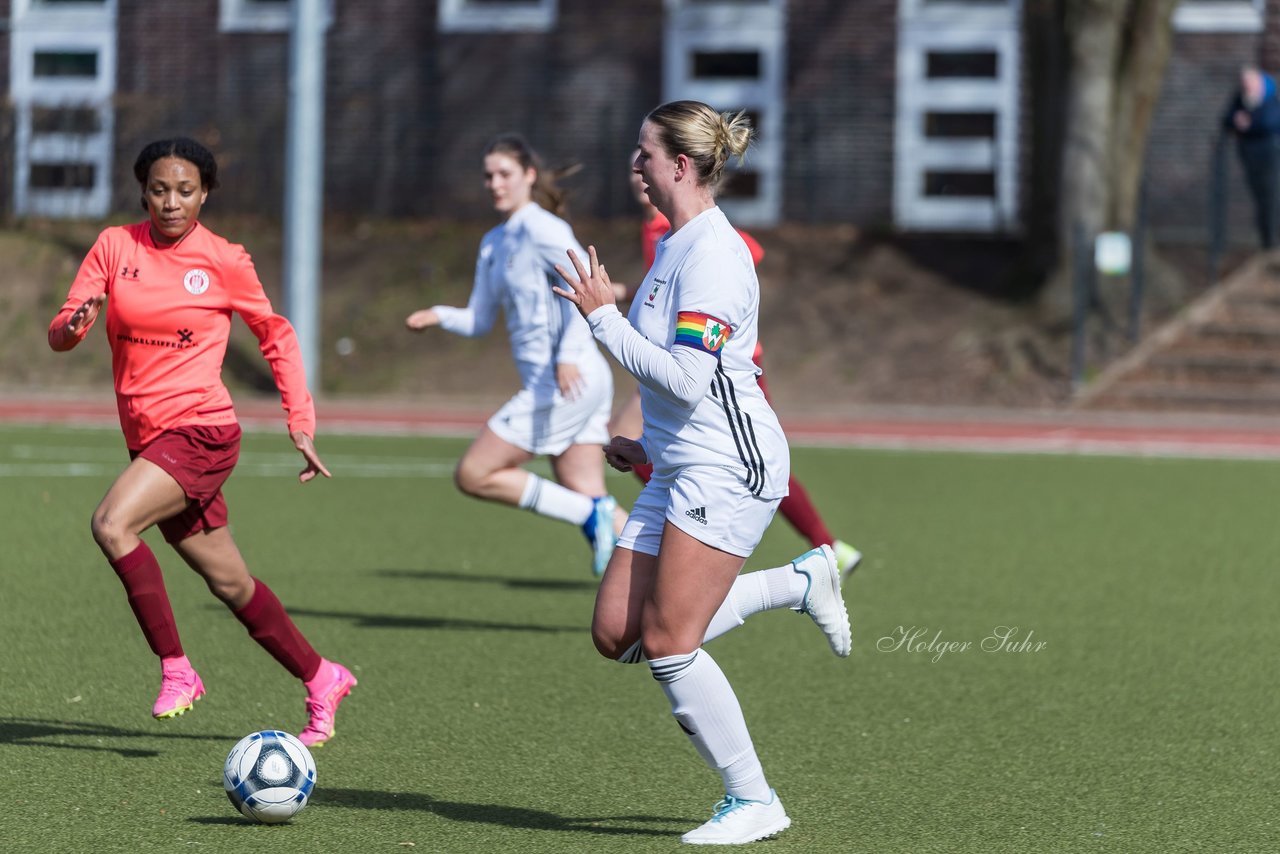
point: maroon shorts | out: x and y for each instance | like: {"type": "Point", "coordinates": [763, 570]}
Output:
{"type": "Point", "coordinates": [200, 458]}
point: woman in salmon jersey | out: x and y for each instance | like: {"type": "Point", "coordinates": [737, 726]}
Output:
{"type": "Point", "coordinates": [720, 459]}
{"type": "Point", "coordinates": [169, 286]}
{"type": "Point", "coordinates": [562, 408]}
{"type": "Point", "coordinates": [797, 508]}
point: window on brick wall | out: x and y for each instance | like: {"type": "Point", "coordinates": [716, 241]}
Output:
{"type": "Point", "coordinates": [259, 16]}
{"type": "Point", "coordinates": [496, 16]}
{"type": "Point", "coordinates": [958, 64]}
{"type": "Point", "coordinates": [59, 119]}
{"type": "Point", "coordinates": [65, 63]}
{"type": "Point", "coordinates": [732, 55]}
{"type": "Point", "coordinates": [62, 80]}
{"type": "Point", "coordinates": [940, 124]}
{"type": "Point", "coordinates": [726, 64]}
{"type": "Point", "coordinates": [955, 139]}
{"type": "Point", "coordinates": [62, 176]}
{"type": "Point", "coordinates": [1219, 16]}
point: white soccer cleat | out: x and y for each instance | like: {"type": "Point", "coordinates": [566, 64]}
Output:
{"type": "Point", "coordinates": [822, 600]}
{"type": "Point", "coordinates": [847, 557]}
{"type": "Point", "coordinates": [736, 821]}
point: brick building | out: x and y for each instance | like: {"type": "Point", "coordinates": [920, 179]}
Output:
{"type": "Point", "coordinates": [909, 114]}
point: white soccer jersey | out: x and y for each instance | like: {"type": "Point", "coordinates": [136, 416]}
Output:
{"type": "Point", "coordinates": [698, 311]}
{"type": "Point", "coordinates": [515, 270]}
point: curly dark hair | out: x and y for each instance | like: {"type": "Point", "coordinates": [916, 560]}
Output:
{"type": "Point", "coordinates": [181, 147]}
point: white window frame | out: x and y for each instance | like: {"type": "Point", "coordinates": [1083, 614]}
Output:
{"type": "Point", "coordinates": [759, 27]}
{"type": "Point", "coordinates": [71, 13]}
{"type": "Point", "coordinates": [82, 27]}
{"type": "Point", "coordinates": [247, 16]}
{"type": "Point", "coordinates": [530, 16]}
{"type": "Point", "coordinates": [1243, 16]}
{"type": "Point", "coordinates": [915, 154]}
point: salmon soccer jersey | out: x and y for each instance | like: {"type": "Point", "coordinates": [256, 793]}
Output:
{"type": "Point", "coordinates": [168, 316]}
{"type": "Point", "coordinates": [701, 296]}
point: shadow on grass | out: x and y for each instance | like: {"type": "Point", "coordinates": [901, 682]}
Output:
{"type": "Point", "coordinates": [391, 621]}
{"type": "Point", "coordinates": [31, 732]}
{"type": "Point", "coordinates": [501, 580]}
{"type": "Point", "coordinates": [507, 816]}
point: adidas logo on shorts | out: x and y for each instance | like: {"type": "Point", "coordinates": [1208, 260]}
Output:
{"type": "Point", "coordinates": [697, 514]}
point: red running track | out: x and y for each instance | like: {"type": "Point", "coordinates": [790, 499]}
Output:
{"type": "Point", "coordinates": [1002, 431]}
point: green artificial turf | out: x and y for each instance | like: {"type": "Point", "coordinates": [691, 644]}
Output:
{"type": "Point", "coordinates": [1136, 717]}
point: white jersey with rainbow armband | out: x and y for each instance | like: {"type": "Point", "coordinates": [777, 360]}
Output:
{"type": "Point", "coordinates": [698, 311]}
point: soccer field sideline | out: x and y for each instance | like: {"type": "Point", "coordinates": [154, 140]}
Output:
{"type": "Point", "coordinates": [881, 428]}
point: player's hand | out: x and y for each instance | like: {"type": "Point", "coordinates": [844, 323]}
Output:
{"type": "Point", "coordinates": [85, 315]}
{"type": "Point", "coordinates": [1242, 120]}
{"type": "Point", "coordinates": [304, 443]}
{"type": "Point", "coordinates": [569, 379]}
{"type": "Point", "coordinates": [421, 319]}
{"type": "Point", "coordinates": [589, 288]}
{"type": "Point", "coordinates": [623, 453]}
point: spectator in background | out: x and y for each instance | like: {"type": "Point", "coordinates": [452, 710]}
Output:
{"type": "Point", "coordinates": [1254, 118]}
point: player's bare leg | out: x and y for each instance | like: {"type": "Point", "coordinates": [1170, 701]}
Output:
{"type": "Point", "coordinates": [490, 469]}
{"type": "Point", "coordinates": [141, 496]}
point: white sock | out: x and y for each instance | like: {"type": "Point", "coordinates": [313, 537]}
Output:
{"type": "Point", "coordinates": [706, 708]}
{"type": "Point", "coordinates": [763, 590]}
{"type": "Point", "coordinates": [550, 499]}
{"type": "Point", "coordinates": [727, 616]}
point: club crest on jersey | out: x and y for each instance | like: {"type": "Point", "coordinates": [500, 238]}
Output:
{"type": "Point", "coordinates": [196, 281]}
{"type": "Point", "coordinates": [702, 332]}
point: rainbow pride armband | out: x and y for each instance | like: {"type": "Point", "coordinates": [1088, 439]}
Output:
{"type": "Point", "coordinates": [702, 332]}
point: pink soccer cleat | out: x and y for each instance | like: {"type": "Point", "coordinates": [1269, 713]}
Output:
{"type": "Point", "coordinates": [180, 687]}
{"type": "Point", "coordinates": [325, 691]}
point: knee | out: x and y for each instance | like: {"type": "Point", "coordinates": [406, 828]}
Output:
{"type": "Point", "coordinates": [234, 592]}
{"type": "Point", "coordinates": [108, 533]}
{"type": "Point", "coordinates": [661, 639]}
{"type": "Point", "coordinates": [612, 639]}
{"type": "Point", "coordinates": [610, 645]}
{"type": "Point", "coordinates": [468, 478]}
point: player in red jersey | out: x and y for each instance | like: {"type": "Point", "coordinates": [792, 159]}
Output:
{"type": "Point", "coordinates": [797, 507]}
{"type": "Point", "coordinates": [169, 286]}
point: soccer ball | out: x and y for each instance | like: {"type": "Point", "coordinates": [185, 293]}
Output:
{"type": "Point", "coordinates": [269, 776]}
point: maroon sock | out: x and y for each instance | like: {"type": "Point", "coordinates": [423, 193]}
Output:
{"type": "Point", "coordinates": [644, 471]}
{"type": "Point", "coordinates": [139, 571]}
{"type": "Point", "coordinates": [803, 516]}
{"type": "Point", "coordinates": [270, 626]}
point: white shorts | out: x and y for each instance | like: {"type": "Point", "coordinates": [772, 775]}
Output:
{"type": "Point", "coordinates": [709, 503]}
{"type": "Point", "coordinates": [542, 421]}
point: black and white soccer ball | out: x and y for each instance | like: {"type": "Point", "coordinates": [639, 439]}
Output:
{"type": "Point", "coordinates": [269, 776]}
